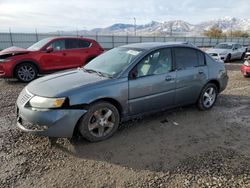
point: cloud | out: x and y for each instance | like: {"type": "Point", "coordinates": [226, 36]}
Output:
{"type": "Point", "coordinates": [47, 15]}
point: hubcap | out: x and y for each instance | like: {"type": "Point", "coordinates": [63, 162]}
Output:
{"type": "Point", "coordinates": [101, 122]}
{"type": "Point", "coordinates": [26, 73]}
{"type": "Point", "coordinates": [209, 97]}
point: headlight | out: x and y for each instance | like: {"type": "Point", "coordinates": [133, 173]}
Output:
{"type": "Point", "coordinates": [43, 102]}
{"type": "Point", "coordinates": [4, 60]}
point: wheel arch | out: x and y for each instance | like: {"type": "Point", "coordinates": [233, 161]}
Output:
{"type": "Point", "coordinates": [215, 82]}
{"type": "Point", "coordinates": [112, 101]}
{"type": "Point", "coordinates": [104, 99]}
{"type": "Point", "coordinates": [25, 61]}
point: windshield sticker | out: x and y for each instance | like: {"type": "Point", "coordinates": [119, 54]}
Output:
{"type": "Point", "coordinates": [132, 52]}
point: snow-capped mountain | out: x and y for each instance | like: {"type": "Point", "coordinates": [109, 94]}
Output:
{"type": "Point", "coordinates": [174, 27]}
{"type": "Point", "coordinates": [226, 24]}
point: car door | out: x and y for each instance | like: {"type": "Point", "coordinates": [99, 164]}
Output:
{"type": "Point", "coordinates": [235, 51]}
{"type": "Point", "coordinates": [52, 60]}
{"type": "Point", "coordinates": [191, 74]}
{"type": "Point", "coordinates": [153, 85]}
{"type": "Point", "coordinates": [77, 52]}
{"type": "Point", "coordinates": [240, 51]}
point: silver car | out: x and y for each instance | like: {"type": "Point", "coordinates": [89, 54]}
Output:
{"type": "Point", "coordinates": [227, 51]}
{"type": "Point", "coordinates": [121, 84]}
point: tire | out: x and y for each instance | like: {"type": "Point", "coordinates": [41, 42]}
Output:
{"type": "Point", "coordinates": [243, 56]}
{"type": "Point", "coordinates": [207, 97]}
{"type": "Point", "coordinates": [94, 126]}
{"type": "Point", "coordinates": [26, 72]}
{"type": "Point", "coordinates": [246, 76]}
{"type": "Point", "coordinates": [228, 58]}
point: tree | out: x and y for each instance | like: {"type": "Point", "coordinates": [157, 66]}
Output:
{"type": "Point", "coordinates": [238, 33]}
{"type": "Point", "coordinates": [214, 32]}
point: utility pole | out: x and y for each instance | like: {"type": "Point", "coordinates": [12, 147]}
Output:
{"type": "Point", "coordinates": [171, 29]}
{"type": "Point", "coordinates": [135, 25]}
{"type": "Point", "coordinates": [231, 30]}
{"type": "Point", "coordinates": [11, 39]}
{"type": "Point", "coordinates": [36, 35]}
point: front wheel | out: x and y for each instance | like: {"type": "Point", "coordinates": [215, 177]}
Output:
{"type": "Point", "coordinates": [26, 72]}
{"type": "Point", "coordinates": [207, 97]}
{"type": "Point", "coordinates": [100, 122]}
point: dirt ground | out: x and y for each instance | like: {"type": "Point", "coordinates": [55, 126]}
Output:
{"type": "Point", "coordinates": [183, 147]}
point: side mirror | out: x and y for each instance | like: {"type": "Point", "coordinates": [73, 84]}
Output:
{"type": "Point", "coordinates": [49, 49]}
{"type": "Point", "coordinates": [133, 74]}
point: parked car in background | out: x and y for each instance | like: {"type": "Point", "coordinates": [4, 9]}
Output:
{"type": "Point", "coordinates": [46, 56]}
{"type": "Point", "coordinates": [227, 51]}
{"type": "Point", "coordinates": [245, 68]}
{"type": "Point", "coordinates": [247, 55]}
{"type": "Point", "coordinates": [121, 84]}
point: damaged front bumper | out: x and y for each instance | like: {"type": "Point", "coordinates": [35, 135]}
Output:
{"type": "Point", "coordinates": [51, 123]}
{"type": "Point", "coordinates": [46, 122]}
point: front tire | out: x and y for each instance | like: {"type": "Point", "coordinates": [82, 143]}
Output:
{"type": "Point", "coordinates": [100, 122]}
{"type": "Point", "coordinates": [26, 72]}
{"type": "Point", "coordinates": [207, 97]}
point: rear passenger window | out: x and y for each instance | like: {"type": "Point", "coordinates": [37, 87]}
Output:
{"type": "Point", "coordinates": [71, 43]}
{"type": "Point", "coordinates": [84, 44]}
{"type": "Point", "coordinates": [186, 58]}
{"type": "Point", "coordinates": [76, 43]}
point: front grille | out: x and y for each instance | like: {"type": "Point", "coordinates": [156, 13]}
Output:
{"type": "Point", "coordinates": [24, 97]}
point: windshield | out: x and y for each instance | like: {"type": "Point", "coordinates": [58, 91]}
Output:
{"type": "Point", "coordinates": [113, 61]}
{"type": "Point", "coordinates": [39, 44]}
{"type": "Point", "coordinates": [224, 46]}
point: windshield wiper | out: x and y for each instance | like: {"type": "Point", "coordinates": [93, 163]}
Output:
{"type": "Point", "coordinates": [97, 72]}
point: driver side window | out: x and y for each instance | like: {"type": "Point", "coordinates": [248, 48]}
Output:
{"type": "Point", "coordinates": [58, 45]}
{"type": "Point", "coordinates": [157, 62]}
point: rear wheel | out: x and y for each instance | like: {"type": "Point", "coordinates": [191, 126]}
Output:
{"type": "Point", "coordinates": [243, 56]}
{"type": "Point", "coordinates": [207, 97]}
{"type": "Point", "coordinates": [100, 122]}
{"type": "Point", "coordinates": [26, 72]}
{"type": "Point", "coordinates": [228, 58]}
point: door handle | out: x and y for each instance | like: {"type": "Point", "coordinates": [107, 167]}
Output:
{"type": "Point", "coordinates": [168, 78]}
{"type": "Point", "coordinates": [64, 54]}
{"type": "Point", "coordinates": [201, 72]}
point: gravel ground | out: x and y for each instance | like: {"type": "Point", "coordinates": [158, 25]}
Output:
{"type": "Point", "coordinates": [183, 147]}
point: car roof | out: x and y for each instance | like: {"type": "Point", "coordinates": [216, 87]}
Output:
{"type": "Point", "coordinates": [152, 45]}
{"type": "Point", "coordinates": [69, 37]}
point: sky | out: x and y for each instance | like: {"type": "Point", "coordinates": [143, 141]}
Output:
{"type": "Point", "coordinates": [54, 15]}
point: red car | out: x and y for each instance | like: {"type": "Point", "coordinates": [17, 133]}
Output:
{"type": "Point", "coordinates": [245, 68]}
{"type": "Point", "coordinates": [47, 55]}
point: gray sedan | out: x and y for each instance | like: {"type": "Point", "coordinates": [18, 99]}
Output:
{"type": "Point", "coordinates": [121, 84]}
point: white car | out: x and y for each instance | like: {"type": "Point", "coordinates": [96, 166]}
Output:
{"type": "Point", "coordinates": [227, 51]}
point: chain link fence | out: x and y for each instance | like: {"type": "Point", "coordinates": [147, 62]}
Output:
{"type": "Point", "coordinates": [25, 40]}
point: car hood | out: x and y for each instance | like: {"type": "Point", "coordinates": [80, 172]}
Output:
{"type": "Point", "coordinates": [216, 50]}
{"type": "Point", "coordinates": [12, 51]}
{"type": "Point", "coordinates": [56, 85]}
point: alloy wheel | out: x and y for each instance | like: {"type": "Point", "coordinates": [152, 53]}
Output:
{"type": "Point", "coordinates": [26, 73]}
{"type": "Point", "coordinates": [101, 122]}
{"type": "Point", "coordinates": [209, 97]}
